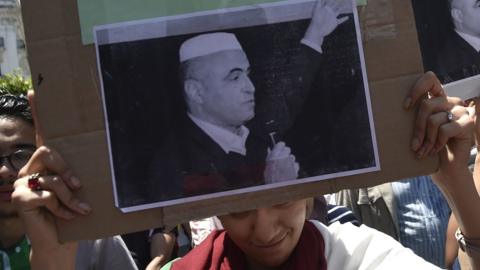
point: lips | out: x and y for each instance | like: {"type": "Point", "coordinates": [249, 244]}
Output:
{"type": "Point", "coordinates": [275, 242]}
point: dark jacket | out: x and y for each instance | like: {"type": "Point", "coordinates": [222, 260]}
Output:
{"type": "Point", "coordinates": [457, 60]}
{"type": "Point", "coordinates": [190, 163]}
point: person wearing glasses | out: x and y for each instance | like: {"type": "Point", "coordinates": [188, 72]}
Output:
{"type": "Point", "coordinates": [17, 145]}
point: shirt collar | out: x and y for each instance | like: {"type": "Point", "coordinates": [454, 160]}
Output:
{"type": "Point", "coordinates": [472, 40]}
{"type": "Point", "coordinates": [227, 140]}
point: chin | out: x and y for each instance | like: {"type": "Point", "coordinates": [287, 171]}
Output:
{"type": "Point", "coordinates": [273, 262]}
{"type": "Point", "coordinates": [249, 117]}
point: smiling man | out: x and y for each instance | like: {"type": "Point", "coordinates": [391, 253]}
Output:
{"type": "Point", "coordinates": [460, 55]}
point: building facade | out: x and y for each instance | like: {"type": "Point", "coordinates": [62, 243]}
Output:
{"type": "Point", "coordinates": [13, 53]}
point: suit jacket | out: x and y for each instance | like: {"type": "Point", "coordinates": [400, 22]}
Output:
{"type": "Point", "coordinates": [190, 163]}
{"type": "Point", "coordinates": [457, 60]}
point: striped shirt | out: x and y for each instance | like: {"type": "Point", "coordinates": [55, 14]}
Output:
{"type": "Point", "coordinates": [340, 213]}
{"type": "Point", "coordinates": [422, 214]}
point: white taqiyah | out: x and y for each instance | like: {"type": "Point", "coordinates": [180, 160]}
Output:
{"type": "Point", "coordinates": [206, 44]}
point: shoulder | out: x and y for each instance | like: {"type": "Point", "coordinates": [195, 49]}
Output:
{"type": "Point", "coordinates": [351, 247]}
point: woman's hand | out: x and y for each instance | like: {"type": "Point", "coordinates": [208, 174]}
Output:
{"type": "Point", "coordinates": [443, 126]}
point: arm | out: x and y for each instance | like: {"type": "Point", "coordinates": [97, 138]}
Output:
{"type": "Point", "coordinates": [304, 66]}
{"type": "Point", "coordinates": [161, 249]}
{"type": "Point", "coordinates": [451, 140]}
{"type": "Point", "coordinates": [452, 248]}
{"type": "Point", "coordinates": [38, 209]}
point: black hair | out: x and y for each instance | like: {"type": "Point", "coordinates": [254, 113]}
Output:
{"type": "Point", "coordinates": [15, 106]}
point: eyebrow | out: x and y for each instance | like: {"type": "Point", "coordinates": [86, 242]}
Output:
{"type": "Point", "coordinates": [240, 70]}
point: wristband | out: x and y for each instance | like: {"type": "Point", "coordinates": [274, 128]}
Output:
{"type": "Point", "coordinates": [467, 245]}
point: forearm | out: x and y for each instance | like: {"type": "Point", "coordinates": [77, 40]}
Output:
{"type": "Point", "coordinates": [157, 263]}
{"type": "Point", "coordinates": [464, 201]}
{"type": "Point", "coordinates": [62, 258]}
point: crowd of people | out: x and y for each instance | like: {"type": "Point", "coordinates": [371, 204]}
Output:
{"type": "Point", "coordinates": [262, 238]}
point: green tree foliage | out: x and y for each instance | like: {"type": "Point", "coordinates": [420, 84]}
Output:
{"type": "Point", "coordinates": [15, 83]}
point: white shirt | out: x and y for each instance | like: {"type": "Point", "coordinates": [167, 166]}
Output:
{"type": "Point", "coordinates": [472, 40]}
{"type": "Point", "coordinates": [227, 140]}
{"type": "Point", "coordinates": [348, 247]}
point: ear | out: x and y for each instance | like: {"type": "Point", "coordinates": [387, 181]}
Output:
{"type": "Point", "coordinates": [457, 16]}
{"type": "Point", "coordinates": [193, 91]}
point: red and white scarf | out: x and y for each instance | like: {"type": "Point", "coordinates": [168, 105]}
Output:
{"type": "Point", "coordinates": [218, 252]}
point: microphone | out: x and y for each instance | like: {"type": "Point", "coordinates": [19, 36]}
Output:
{"type": "Point", "coordinates": [272, 127]}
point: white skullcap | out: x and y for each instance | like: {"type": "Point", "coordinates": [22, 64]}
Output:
{"type": "Point", "coordinates": [207, 44]}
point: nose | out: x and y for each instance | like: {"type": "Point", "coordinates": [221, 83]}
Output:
{"type": "Point", "coordinates": [265, 227]}
{"type": "Point", "coordinates": [7, 173]}
{"type": "Point", "coordinates": [249, 87]}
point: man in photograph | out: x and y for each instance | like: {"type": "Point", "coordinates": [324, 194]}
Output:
{"type": "Point", "coordinates": [212, 150]}
{"type": "Point", "coordinates": [460, 56]}
{"type": "Point", "coordinates": [220, 100]}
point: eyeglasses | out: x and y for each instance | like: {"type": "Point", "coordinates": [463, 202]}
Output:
{"type": "Point", "coordinates": [17, 159]}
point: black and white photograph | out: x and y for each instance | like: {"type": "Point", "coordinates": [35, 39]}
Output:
{"type": "Point", "coordinates": [234, 100]}
{"type": "Point", "coordinates": [449, 37]}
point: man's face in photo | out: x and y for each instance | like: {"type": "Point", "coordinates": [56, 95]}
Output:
{"type": "Point", "coordinates": [17, 136]}
{"type": "Point", "coordinates": [227, 93]}
{"type": "Point", "coordinates": [468, 15]}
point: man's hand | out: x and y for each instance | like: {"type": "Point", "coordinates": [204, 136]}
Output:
{"type": "Point", "coordinates": [281, 165]}
{"type": "Point", "coordinates": [38, 208]}
{"type": "Point", "coordinates": [325, 20]}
